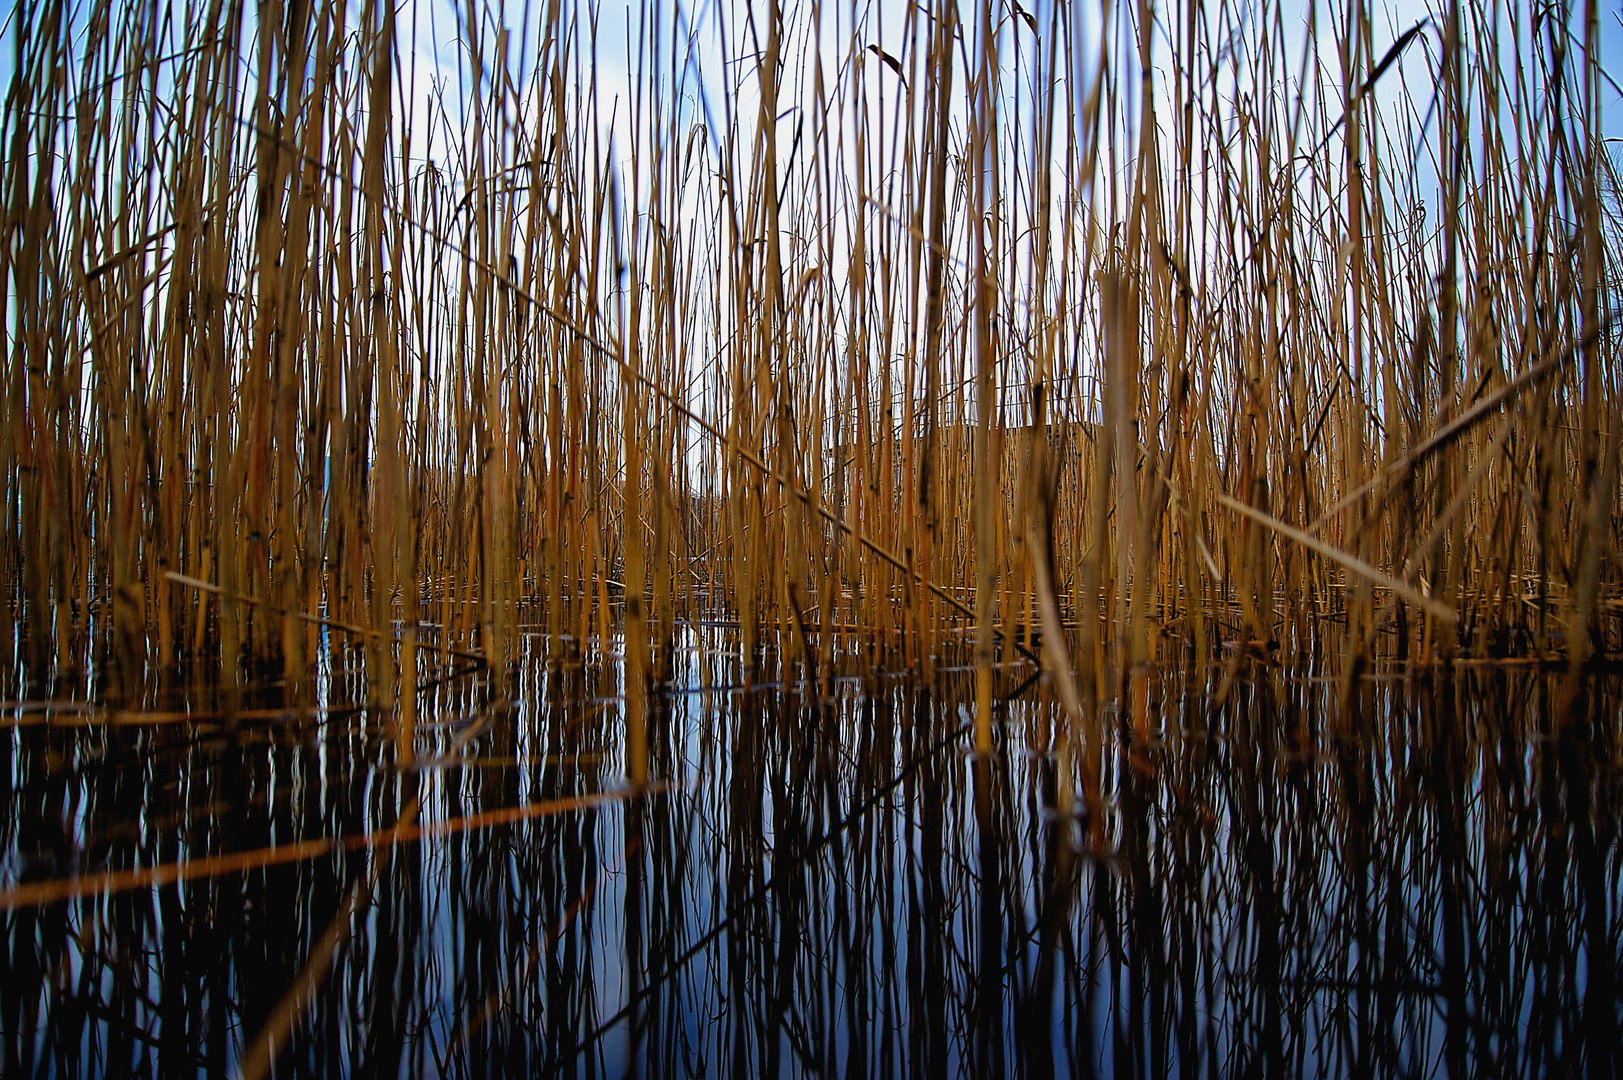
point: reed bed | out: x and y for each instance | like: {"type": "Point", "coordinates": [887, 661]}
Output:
{"type": "Point", "coordinates": [507, 540]}
{"type": "Point", "coordinates": [1128, 337]}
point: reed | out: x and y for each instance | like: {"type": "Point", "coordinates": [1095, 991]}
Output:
{"type": "Point", "coordinates": [860, 331]}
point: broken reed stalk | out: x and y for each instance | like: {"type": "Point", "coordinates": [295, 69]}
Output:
{"type": "Point", "coordinates": [288, 322]}
{"type": "Point", "coordinates": [408, 830]}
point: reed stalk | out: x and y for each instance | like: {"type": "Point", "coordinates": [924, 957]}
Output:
{"type": "Point", "coordinates": [824, 323]}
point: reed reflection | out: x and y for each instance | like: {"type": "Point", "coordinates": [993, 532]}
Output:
{"type": "Point", "coordinates": [1419, 876]}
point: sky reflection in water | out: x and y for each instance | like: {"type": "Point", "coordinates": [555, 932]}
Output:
{"type": "Point", "coordinates": [1426, 885]}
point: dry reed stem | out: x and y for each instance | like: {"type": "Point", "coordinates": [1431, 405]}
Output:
{"type": "Point", "coordinates": [41, 893]}
{"type": "Point", "coordinates": [770, 358]}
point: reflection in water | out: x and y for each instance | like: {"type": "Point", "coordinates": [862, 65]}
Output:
{"type": "Point", "coordinates": [1425, 883]}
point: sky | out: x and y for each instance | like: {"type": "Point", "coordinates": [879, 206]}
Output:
{"type": "Point", "coordinates": [434, 36]}
{"type": "Point", "coordinates": [436, 44]}
{"type": "Point", "coordinates": [710, 68]}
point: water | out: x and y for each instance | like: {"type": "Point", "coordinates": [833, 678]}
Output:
{"type": "Point", "coordinates": [1425, 883]}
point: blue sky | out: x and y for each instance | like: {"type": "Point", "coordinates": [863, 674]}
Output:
{"type": "Point", "coordinates": [433, 42]}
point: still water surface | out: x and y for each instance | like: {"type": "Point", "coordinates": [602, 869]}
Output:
{"type": "Point", "coordinates": [1425, 883]}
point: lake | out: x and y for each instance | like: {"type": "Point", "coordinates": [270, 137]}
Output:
{"type": "Point", "coordinates": [1422, 880]}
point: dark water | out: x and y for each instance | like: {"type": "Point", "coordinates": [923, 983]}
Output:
{"type": "Point", "coordinates": [1424, 884]}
